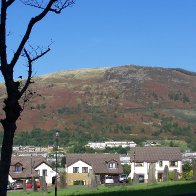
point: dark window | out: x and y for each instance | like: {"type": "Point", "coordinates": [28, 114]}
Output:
{"type": "Point", "coordinates": [18, 168]}
{"type": "Point", "coordinates": [38, 171]}
{"type": "Point", "coordinates": [173, 163]}
{"type": "Point", "coordinates": [75, 169]}
{"type": "Point", "coordinates": [139, 164]}
{"type": "Point", "coordinates": [84, 169]}
{"type": "Point", "coordinates": [112, 165]}
{"type": "Point", "coordinates": [160, 163]}
{"type": "Point", "coordinates": [44, 172]}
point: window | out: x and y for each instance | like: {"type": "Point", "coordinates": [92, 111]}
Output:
{"type": "Point", "coordinates": [75, 169]}
{"type": "Point", "coordinates": [173, 163]}
{"type": "Point", "coordinates": [139, 164]}
{"type": "Point", "coordinates": [44, 172]}
{"type": "Point", "coordinates": [112, 165]}
{"type": "Point", "coordinates": [84, 169]}
{"type": "Point", "coordinates": [18, 168]}
{"type": "Point", "coordinates": [160, 163]}
{"type": "Point", "coordinates": [38, 171]}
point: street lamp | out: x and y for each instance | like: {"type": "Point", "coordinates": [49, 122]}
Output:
{"type": "Point", "coordinates": [57, 136]}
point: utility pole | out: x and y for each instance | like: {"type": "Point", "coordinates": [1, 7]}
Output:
{"type": "Point", "coordinates": [57, 136]}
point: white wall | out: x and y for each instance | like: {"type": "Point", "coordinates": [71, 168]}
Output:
{"type": "Point", "coordinates": [139, 170]}
{"type": "Point", "coordinates": [145, 168]}
{"type": "Point", "coordinates": [10, 179]}
{"type": "Point", "coordinates": [50, 172]}
{"type": "Point", "coordinates": [79, 164]}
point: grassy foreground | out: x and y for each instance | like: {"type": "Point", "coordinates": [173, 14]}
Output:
{"type": "Point", "coordinates": [158, 189]}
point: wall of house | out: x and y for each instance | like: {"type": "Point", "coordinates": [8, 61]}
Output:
{"type": "Point", "coordinates": [10, 179]}
{"type": "Point", "coordinates": [171, 168]}
{"type": "Point", "coordinates": [79, 164]}
{"type": "Point", "coordinates": [80, 176]}
{"type": "Point", "coordinates": [71, 177]}
{"type": "Point", "coordinates": [144, 168]}
{"type": "Point", "coordinates": [50, 172]}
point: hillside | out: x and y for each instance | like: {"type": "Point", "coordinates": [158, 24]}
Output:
{"type": "Point", "coordinates": [127, 102]}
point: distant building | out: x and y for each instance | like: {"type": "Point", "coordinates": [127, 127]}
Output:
{"type": "Point", "coordinates": [111, 144]}
{"type": "Point", "coordinates": [96, 145]}
{"type": "Point", "coordinates": [30, 150]}
{"type": "Point", "coordinates": [125, 159]}
{"type": "Point", "coordinates": [188, 156]}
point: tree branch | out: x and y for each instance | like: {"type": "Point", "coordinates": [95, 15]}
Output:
{"type": "Point", "coordinates": [9, 2]}
{"type": "Point", "coordinates": [30, 62]}
{"type": "Point", "coordinates": [28, 81]}
{"type": "Point", "coordinates": [3, 54]}
{"type": "Point", "coordinates": [57, 7]}
{"type": "Point", "coordinates": [40, 55]}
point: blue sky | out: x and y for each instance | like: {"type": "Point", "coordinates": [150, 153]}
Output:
{"type": "Point", "coordinates": [106, 33]}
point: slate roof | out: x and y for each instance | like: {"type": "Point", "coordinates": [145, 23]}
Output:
{"type": "Point", "coordinates": [154, 154]}
{"type": "Point", "coordinates": [99, 162]}
{"type": "Point", "coordinates": [28, 166]}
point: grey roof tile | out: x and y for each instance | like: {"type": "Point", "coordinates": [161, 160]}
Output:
{"type": "Point", "coordinates": [153, 154]}
{"type": "Point", "coordinates": [99, 162]}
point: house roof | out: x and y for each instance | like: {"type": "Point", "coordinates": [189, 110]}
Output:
{"type": "Point", "coordinates": [28, 163]}
{"type": "Point", "coordinates": [99, 162]}
{"type": "Point", "coordinates": [153, 154]}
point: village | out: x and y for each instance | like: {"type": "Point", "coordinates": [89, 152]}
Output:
{"type": "Point", "coordinates": [39, 167]}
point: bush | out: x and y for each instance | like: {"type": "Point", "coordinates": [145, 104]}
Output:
{"type": "Point", "coordinates": [187, 175]}
{"type": "Point", "coordinates": [78, 182]}
{"type": "Point", "coordinates": [171, 175]}
{"type": "Point", "coordinates": [126, 169]}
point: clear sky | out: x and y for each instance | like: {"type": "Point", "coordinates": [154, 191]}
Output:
{"type": "Point", "coordinates": [106, 33]}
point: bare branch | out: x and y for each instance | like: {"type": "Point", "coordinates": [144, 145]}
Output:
{"type": "Point", "coordinates": [28, 81]}
{"type": "Point", "coordinates": [9, 2]}
{"type": "Point", "coordinates": [30, 62]}
{"type": "Point", "coordinates": [57, 7]}
{"type": "Point", "coordinates": [40, 55]}
{"type": "Point", "coordinates": [3, 54]}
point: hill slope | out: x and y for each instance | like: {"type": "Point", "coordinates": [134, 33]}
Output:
{"type": "Point", "coordinates": [127, 102]}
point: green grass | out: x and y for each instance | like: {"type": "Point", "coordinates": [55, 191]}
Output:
{"type": "Point", "coordinates": [158, 189]}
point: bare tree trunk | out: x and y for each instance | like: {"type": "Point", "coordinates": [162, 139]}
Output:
{"type": "Point", "coordinates": [15, 91]}
{"type": "Point", "coordinates": [12, 110]}
{"type": "Point", "coordinates": [6, 153]}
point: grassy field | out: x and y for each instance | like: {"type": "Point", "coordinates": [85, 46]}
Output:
{"type": "Point", "coordinates": [158, 189]}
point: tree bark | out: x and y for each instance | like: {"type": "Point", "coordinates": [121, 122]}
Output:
{"type": "Point", "coordinates": [12, 110]}
{"type": "Point", "coordinates": [6, 153]}
{"type": "Point", "coordinates": [15, 92]}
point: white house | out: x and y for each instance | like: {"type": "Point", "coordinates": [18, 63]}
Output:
{"type": "Point", "coordinates": [96, 145]}
{"type": "Point", "coordinates": [44, 169]}
{"type": "Point", "coordinates": [122, 144]}
{"type": "Point", "coordinates": [142, 157]}
{"type": "Point", "coordinates": [111, 144]}
{"type": "Point", "coordinates": [125, 159]}
{"type": "Point", "coordinates": [26, 167]}
{"type": "Point", "coordinates": [79, 167]}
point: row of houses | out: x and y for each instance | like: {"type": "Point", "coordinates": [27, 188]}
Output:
{"type": "Point", "coordinates": [81, 167]}
{"type": "Point", "coordinates": [111, 144]}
